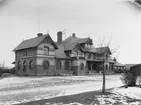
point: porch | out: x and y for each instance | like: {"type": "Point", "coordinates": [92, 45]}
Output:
{"type": "Point", "coordinates": [94, 67]}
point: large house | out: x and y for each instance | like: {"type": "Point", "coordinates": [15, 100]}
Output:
{"type": "Point", "coordinates": [76, 56]}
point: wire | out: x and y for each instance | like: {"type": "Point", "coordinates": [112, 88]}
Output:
{"type": "Point", "coordinates": [38, 16]}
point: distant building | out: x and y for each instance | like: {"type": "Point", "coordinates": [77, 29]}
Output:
{"type": "Point", "coordinates": [118, 67]}
{"type": "Point", "coordinates": [76, 56]}
{"type": "Point", "coordinates": [136, 69]}
{"type": "Point", "coordinates": [128, 66]}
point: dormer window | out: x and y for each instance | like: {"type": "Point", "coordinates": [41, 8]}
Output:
{"type": "Point", "coordinates": [89, 46]}
{"type": "Point", "coordinates": [86, 45]}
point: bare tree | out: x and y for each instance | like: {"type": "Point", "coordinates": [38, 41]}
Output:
{"type": "Point", "coordinates": [106, 55]}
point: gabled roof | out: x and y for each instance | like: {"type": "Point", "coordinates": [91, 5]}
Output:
{"type": "Point", "coordinates": [103, 50]}
{"type": "Point", "coordinates": [71, 42]}
{"type": "Point", "coordinates": [110, 60]}
{"type": "Point", "coordinates": [59, 53]}
{"type": "Point", "coordinates": [33, 42]}
{"type": "Point", "coordinates": [67, 45]}
{"type": "Point", "coordinates": [76, 39]}
{"type": "Point", "coordinates": [135, 65]}
{"type": "Point", "coordinates": [118, 64]}
{"type": "Point", "coordinates": [91, 50]}
{"type": "Point", "coordinates": [128, 66]}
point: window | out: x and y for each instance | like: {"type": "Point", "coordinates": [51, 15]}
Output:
{"type": "Point", "coordinates": [66, 65]}
{"type": "Point", "coordinates": [94, 56]}
{"type": "Point", "coordinates": [46, 50]}
{"type": "Point", "coordinates": [24, 66]}
{"type": "Point", "coordinates": [89, 56]}
{"type": "Point", "coordinates": [58, 64]}
{"type": "Point", "coordinates": [19, 65]}
{"type": "Point", "coordinates": [24, 53]}
{"type": "Point", "coordinates": [106, 67]}
{"type": "Point", "coordinates": [82, 66]}
{"type": "Point", "coordinates": [31, 65]}
{"type": "Point", "coordinates": [46, 65]}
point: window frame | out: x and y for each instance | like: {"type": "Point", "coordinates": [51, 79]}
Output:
{"type": "Point", "coordinates": [67, 65]}
{"type": "Point", "coordinates": [46, 49]}
{"type": "Point", "coordinates": [24, 53]}
{"type": "Point", "coordinates": [31, 64]}
{"type": "Point", "coordinates": [82, 66]}
{"type": "Point", "coordinates": [24, 65]}
{"type": "Point", "coordinates": [46, 67]}
{"type": "Point", "coordinates": [58, 64]}
{"type": "Point", "coordinates": [19, 65]}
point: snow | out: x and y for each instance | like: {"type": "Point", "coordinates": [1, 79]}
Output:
{"type": "Point", "coordinates": [75, 103]}
{"type": "Point", "coordinates": [131, 92]}
{"type": "Point", "coordinates": [124, 96]}
{"type": "Point", "coordinates": [18, 90]}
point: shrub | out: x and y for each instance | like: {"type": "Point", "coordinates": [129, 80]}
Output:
{"type": "Point", "coordinates": [129, 79]}
{"type": "Point", "coordinates": [6, 75]}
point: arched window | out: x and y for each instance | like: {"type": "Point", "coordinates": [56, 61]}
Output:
{"type": "Point", "coordinates": [106, 67]}
{"type": "Point", "coordinates": [58, 64]}
{"type": "Point", "coordinates": [31, 65]}
{"type": "Point", "coordinates": [67, 65]}
{"type": "Point", "coordinates": [82, 66]}
{"type": "Point", "coordinates": [46, 50]}
{"type": "Point", "coordinates": [24, 66]}
{"type": "Point", "coordinates": [19, 65]}
{"type": "Point", "coordinates": [46, 65]}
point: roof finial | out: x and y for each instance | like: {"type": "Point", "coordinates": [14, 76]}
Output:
{"type": "Point", "coordinates": [48, 32]}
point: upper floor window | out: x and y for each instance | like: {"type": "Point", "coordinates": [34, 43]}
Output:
{"type": "Point", "coordinates": [94, 56]}
{"type": "Point", "coordinates": [46, 50]}
{"type": "Point", "coordinates": [86, 45]}
{"type": "Point", "coordinates": [31, 65]}
{"type": "Point", "coordinates": [89, 56]}
{"type": "Point", "coordinates": [25, 53]}
{"type": "Point", "coordinates": [89, 46]}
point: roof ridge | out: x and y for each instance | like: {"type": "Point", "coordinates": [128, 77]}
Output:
{"type": "Point", "coordinates": [66, 39]}
{"type": "Point", "coordinates": [36, 37]}
{"type": "Point", "coordinates": [32, 42]}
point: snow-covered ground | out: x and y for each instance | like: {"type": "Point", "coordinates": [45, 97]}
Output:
{"type": "Point", "coordinates": [24, 89]}
{"type": "Point", "coordinates": [121, 96]}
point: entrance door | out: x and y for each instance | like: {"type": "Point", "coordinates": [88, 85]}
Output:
{"type": "Point", "coordinates": [58, 65]}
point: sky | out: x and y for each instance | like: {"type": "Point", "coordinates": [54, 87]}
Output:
{"type": "Point", "coordinates": [97, 19]}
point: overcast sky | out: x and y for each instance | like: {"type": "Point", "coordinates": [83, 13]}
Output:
{"type": "Point", "coordinates": [87, 18]}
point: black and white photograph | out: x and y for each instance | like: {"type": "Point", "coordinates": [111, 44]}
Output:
{"type": "Point", "coordinates": [70, 52]}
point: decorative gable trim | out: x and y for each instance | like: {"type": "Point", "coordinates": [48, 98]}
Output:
{"type": "Point", "coordinates": [48, 39]}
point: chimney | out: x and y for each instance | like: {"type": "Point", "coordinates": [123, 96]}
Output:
{"type": "Point", "coordinates": [73, 34]}
{"type": "Point", "coordinates": [39, 34]}
{"type": "Point", "coordinates": [59, 37]}
{"type": "Point", "coordinates": [114, 60]}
